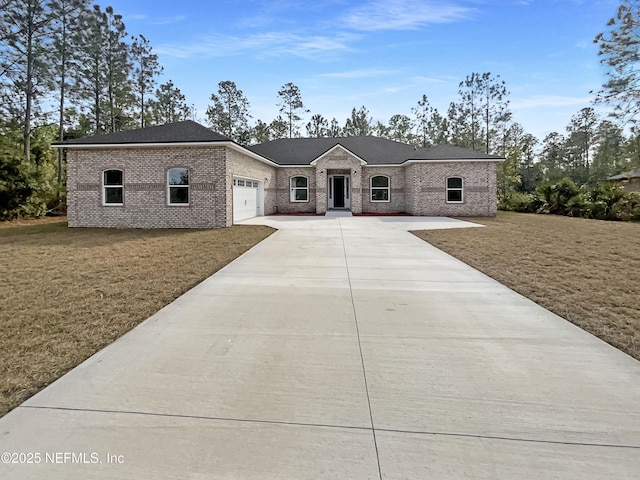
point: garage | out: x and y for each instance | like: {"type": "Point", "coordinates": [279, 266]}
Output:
{"type": "Point", "coordinates": [246, 198]}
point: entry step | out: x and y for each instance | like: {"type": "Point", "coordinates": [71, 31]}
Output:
{"type": "Point", "coordinates": [338, 213]}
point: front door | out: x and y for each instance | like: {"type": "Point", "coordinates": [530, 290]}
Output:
{"type": "Point", "coordinates": [339, 192]}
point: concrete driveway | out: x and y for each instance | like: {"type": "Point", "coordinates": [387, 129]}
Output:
{"type": "Point", "coordinates": [340, 348]}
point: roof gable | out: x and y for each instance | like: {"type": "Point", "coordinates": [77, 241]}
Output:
{"type": "Point", "coordinates": [338, 147]}
{"type": "Point", "coordinates": [179, 132]}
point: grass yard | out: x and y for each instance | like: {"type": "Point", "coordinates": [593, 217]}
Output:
{"type": "Point", "coordinates": [67, 293]}
{"type": "Point", "coordinates": [587, 271]}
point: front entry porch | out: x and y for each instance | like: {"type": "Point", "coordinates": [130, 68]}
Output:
{"type": "Point", "coordinates": [339, 192]}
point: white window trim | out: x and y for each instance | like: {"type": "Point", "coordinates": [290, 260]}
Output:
{"type": "Point", "coordinates": [387, 188]}
{"type": "Point", "coordinates": [188, 187]}
{"type": "Point", "coordinates": [104, 187]}
{"type": "Point", "coordinates": [461, 189]}
{"type": "Point", "coordinates": [292, 192]}
{"type": "Point", "coordinates": [246, 182]}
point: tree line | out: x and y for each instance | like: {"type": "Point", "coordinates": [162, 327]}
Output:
{"type": "Point", "coordinates": [69, 68]}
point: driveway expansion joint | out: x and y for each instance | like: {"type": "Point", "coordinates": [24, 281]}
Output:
{"type": "Point", "coordinates": [364, 372]}
{"type": "Point", "coordinates": [321, 425]}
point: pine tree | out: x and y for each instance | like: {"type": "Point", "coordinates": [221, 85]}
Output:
{"type": "Point", "coordinates": [118, 67]}
{"type": "Point", "coordinates": [619, 51]}
{"type": "Point", "coordinates": [229, 113]}
{"type": "Point", "coordinates": [482, 109]}
{"type": "Point", "coordinates": [400, 127]}
{"type": "Point", "coordinates": [63, 52]}
{"type": "Point", "coordinates": [260, 133]}
{"type": "Point", "coordinates": [145, 70]}
{"type": "Point", "coordinates": [359, 124]}
{"type": "Point", "coordinates": [334, 129]}
{"type": "Point", "coordinates": [279, 128]}
{"type": "Point", "coordinates": [291, 106]}
{"type": "Point", "coordinates": [169, 105]}
{"type": "Point", "coordinates": [318, 126]}
{"type": "Point", "coordinates": [26, 27]}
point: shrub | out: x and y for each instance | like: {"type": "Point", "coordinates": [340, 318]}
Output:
{"type": "Point", "coordinates": [561, 198]}
{"type": "Point", "coordinates": [634, 208]}
{"type": "Point", "coordinates": [15, 188]}
{"type": "Point", "coordinates": [602, 199]}
{"type": "Point", "coordinates": [26, 190]}
{"type": "Point", "coordinates": [607, 201]}
{"type": "Point", "coordinates": [520, 202]}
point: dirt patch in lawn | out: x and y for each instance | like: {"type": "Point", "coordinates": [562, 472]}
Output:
{"type": "Point", "coordinates": [587, 271]}
{"type": "Point", "coordinates": [67, 293]}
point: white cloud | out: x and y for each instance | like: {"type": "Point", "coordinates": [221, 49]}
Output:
{"type": "Point", "coordinates": [136, 16]}
{"type": "Point", "coordinates": [365, 73]}
{"type": "Point", "coordinates": [536, 101]}
{"type": "Point", "coordinates": [140, 17]}
{"type": "Point", "coordinates": [169, 20]}
{"type": "Point", "coordinates": [405, 14]}
{"type": "Point", "coordinates": [261, 44]}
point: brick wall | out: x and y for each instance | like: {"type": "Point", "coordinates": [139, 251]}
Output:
{"type": "Point", "coordinates": [240, 165]}
{"type": "Point", "coordinates": [338, 159]}
{"type": "Point", "coordinates": [417, 188]}
{"type": "Point", "coordinates": [283, 187]}
{"type": "Point", "coordinates": [396, 201]}
{"type": "Point", "coordinates": [425, 185]}
{"type": "Point", "coordinates": [145, 187]}
{"type": "Point", "coordinates": [630, 185]}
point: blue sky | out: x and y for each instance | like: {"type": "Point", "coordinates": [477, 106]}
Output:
{"type": "Point", "coordinates": [383, 54]}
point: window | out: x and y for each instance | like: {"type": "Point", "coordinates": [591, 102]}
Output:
{"type": "Point", "coordinates": [299, 189]}
{"type": "Point", "coordinates": [454, 190]}
{"type": "Point", "coordinates": [178, 182]}
{"type": "Point", "coordinates": [113, 187]}
{"type": "Point", "coordinates": [380, 188]}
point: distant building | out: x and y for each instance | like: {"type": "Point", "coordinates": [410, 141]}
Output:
{"type": "Point", "coordinates": [629, 181]}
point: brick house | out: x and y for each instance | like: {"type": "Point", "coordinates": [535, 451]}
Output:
{"type": "Point", "coordinates": [183, 175]}
{"type": "Point", "coordinates": [629, 181]}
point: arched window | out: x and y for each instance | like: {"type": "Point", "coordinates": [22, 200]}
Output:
{"type": "Point", "coordinates": [299, 189]}
{"type": "Point", "coordinates": [380, 188]}
{"type": "Point", "coordinates": [454, 190]}
{"type": "Point", "coordinates": [178, 186]}
{"type": "Point", "coordinates": [112, 187]}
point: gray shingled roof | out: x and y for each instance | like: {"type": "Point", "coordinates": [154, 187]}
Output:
{"type": "Point", "coordinates": [179, 132]}
{"type": "Point", "coordinates": [626, 175]}
{"type": "Point", "coordinates": [447, 152]}
{"type": "Point", "coordinates": [373, 150]}
{"type": "Point", "coordinates": [288, 151]}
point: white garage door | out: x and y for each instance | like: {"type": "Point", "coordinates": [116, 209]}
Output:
{"type": "Point", "coordinates": [245, 199]}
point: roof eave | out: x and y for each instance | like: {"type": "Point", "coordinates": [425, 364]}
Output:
{"type": "Point", "coordinates": [449, 160]}
{"type": "Point", "coordinates": [214, 143]}
{"type": "Point", "coordinates": [138, 144]}
{"type": "Point", "coordinates": [372, 165]}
